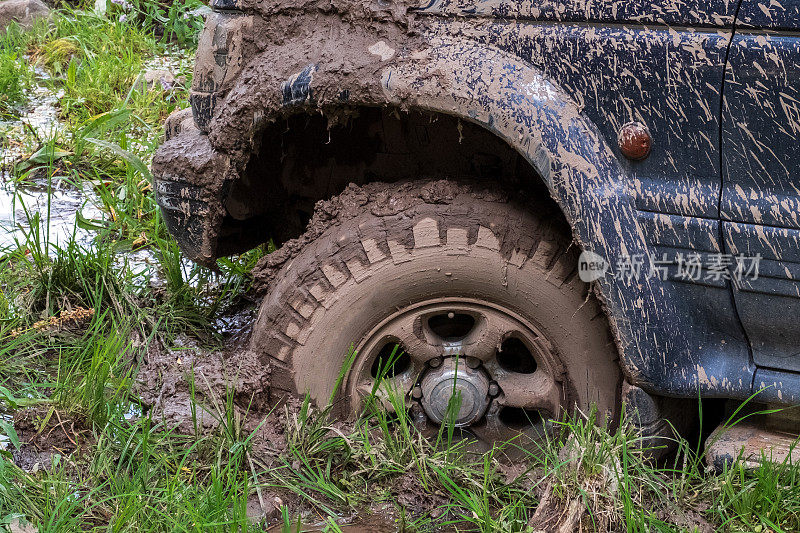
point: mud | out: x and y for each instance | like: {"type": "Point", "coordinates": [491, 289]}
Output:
{"type": "Point", "coordinates": [164, 382]}
{"type": "Point", "coordinates": [291, 56]}
{"type": "Point", "coordinates": [324, 59]}
{"type": "Point", "coordinates": [384, 199]}
{"type": "Point", "coordinates": [163, 385]}
{"type": "Point", "coordinates": [370, 525]}
{"type": "Point", "coordinates": [414, 498]}
{"type": "Point", "coordinates": [46, 435]}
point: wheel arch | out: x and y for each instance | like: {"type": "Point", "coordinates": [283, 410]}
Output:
{"type": "Point", "coordinates": [500, 93]}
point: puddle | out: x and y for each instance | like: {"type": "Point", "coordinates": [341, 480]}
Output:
{"type": "Point", "coordinates": [235, 324]}
{"type": "Point", "coordinates": [42, 114]}
{"type": "Point", "coordinates": [5, 440]}
{"type": "Point", "coordinates": [179, 63]}
{"type": "Point", "coordinates": [40, 117]}
{"type": "Point", "coordinates": [370, 525]}
{"type": "Point", "coordinates": [134, 412]}
{"type": "Point", "coordinates": [57, 214]}
{"type": "Point", "coordinates": [53, 214]}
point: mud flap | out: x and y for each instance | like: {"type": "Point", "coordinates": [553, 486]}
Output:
{"type": "Point", "coordinates": [659, 421]}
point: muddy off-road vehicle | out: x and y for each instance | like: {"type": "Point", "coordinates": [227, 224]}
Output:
{"type": "Point", "coordinates": [545, 204]}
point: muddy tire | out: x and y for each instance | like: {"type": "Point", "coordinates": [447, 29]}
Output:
{"type": "Point", "coordinates": [440, 269]}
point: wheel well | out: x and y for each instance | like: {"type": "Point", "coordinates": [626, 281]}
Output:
{"type": "Point", "coordinates": [307, 158]}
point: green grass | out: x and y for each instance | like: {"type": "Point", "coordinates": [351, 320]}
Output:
{"type": "Point", "coordinates": [14, 80]}
{"type": "Point", "coordinates": [111, 126]}
{"type": "Point", "coordinates": [98, 64]}
{"type": "Point", "coordinates": [767, 498]}
{"type": "Point", "coordinates": [15, 75]}
{"type": "Point", "coordinates": [138, 475]}
{"type": "Point", "coordinates": [144, 478]}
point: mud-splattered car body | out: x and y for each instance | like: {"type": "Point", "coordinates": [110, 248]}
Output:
{"type": "Point", "coordinates": [715, 82]}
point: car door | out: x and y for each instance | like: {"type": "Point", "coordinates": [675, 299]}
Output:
{"type": "Point", "coordinates": [760, 199]}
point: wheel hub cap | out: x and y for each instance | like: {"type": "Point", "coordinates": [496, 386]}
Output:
{"type": "Point", "coordinates": [498, 365]}
{"type": "Point", "coordinates": [453, 378]}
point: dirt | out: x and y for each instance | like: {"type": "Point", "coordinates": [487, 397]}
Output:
{"type": "Point", "coordinates": [369, 525]}
{"type": "Point", "coordinates": [164, 387]}
{"type": "Point", "coordinates": [686, 519]}
{"type": "Point", "coordinates": [45, 433]}
{"type": "Point", "coordinates": [414, 497]}
{"type": "Point", "coordinates": [164, 382]}
{"type": "Point", "coordinates": [384, 199]}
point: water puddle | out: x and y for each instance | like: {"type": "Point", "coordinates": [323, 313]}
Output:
{"type": "Point", "coordinates": [42, 114]}
{"type": "Point", "coordinates": [134, 412]}
{"type": "Point", "coordinates": [39, 119]}
{"type": "Point", "coordinates": [20, 208]}
{"type": "Point", "coordinates": [47, 214]}
{"type": "Point", "coordinates": [235, 324]}
{"type": "Point", "coordinates": [370, 525]}
{"type": "Point", "coordinates": [5, 440]}
{"type": "Point", "coordinates": [24, 212]}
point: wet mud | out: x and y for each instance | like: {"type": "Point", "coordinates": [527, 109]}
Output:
{"type": "Point", "coordinates": [46, 435]}
{"type": "Point", "coordinates": [185, 388]}
{"type": "Point", "coordinates": [385, 200]}
{"type": "Point", "coordinates": [210, 163]}
{"type": "Point", "coordinates": [171, 379]}
{"type": "Point", "coordinates": [371, 525]}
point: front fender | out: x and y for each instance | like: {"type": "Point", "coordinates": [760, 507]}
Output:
{"type": "Point", "coordinates": [518, 103]}
{"type": "Point", "coordinates": [536, 117]}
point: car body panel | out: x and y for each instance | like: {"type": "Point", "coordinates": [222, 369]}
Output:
{"type": "Point", "coordinates": [773, 15]}
{"type": "Point", "coordinates": [556, 80]}
{"type": "Point", "coordinates": [696, 13]}
{"type": "Point", "coordinates": [760, 204]}
{"type": "Point", "coordinates": [670, 79]}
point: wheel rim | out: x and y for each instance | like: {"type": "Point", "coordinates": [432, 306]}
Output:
{"type": "Point", "coordinates": [507, 374]}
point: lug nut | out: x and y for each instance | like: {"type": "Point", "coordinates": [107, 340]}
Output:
{"type": "Point", "coordinates": [494, 389]}
{"type": "Point", "coordinates": [473, 362]}
{"type": "Point", "coordinates": [416, 392]}
{"type": "Point", "coordinates": [436, 362]}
